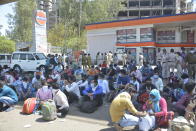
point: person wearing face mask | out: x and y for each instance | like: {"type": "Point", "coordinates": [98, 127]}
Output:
{"type": "Point", "coordinates": [123, 79]}
{"type": "Point", "coordinates": [8, 97]}
{"type": "Point", "coordinates": [157, 82]}
{"type": "Point", "coordinates": [190, 60]}
{"type": "Point", "coordinates": [25, 89]}
{"type": "Point", "coordinates": [93, 93]}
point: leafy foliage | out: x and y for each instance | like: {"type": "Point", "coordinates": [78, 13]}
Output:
{"type": "Point", "coordinates": [6, 45]}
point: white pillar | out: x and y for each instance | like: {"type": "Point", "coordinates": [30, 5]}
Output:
{"type": "Point", "coordinates": [178, 35]}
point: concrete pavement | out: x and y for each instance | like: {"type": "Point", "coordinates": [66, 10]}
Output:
{"type": "Point", "coordinates": [74, 121]}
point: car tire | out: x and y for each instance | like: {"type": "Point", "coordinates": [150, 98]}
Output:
{"type": "Point", "coordinates": [17, 68]}
{"type": "Point", "coordinates": [42, 68]}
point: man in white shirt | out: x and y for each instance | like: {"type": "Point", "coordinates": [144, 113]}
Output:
{"type": "Point", "coordinates": [61, 102]}
{"type": "Point", "coordinates": [72, 89]}
{"type": "Point", "coordinates": [104, 84]}
{"type": "Point", "coordinates": [83, 84]}
{"type": "Point", "coordinates": [171, 61]}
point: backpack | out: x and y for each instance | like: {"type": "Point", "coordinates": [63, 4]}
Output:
{"type": "Point", "coordinates": [49, 110]}
{"type": "Point", "coordinates": [180, 124]}
{"type": "Point", "coordinates": [29, 106]}
{"type": "Point", "coordinates": [88, 107]}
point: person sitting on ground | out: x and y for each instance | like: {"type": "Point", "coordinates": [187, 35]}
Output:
{"type": "Point", "coordinates": [44, 93]}
{"type": "Point", "coordinates": [9, 78]}
{"type": "Point", "coordinates": [120, 105]}
{"type": "Point", "coordinates": [137, 73]}
{"type": "Point", "coordinates": [157, 82]}
{"type": "Point", "coordinates": [104, 84]}
{"type": "Point", "coordinates": [36, 82]}
{"type": "Point", "coordinates": [181, 104]}
{"type": "Point", "coordinates": [68, 71]}
{"type": "Point", "coordinates": [72, 89]}
{"type": "Point", "coordinates": [147, 71]}
{"type": "Point", "coordinates": [93, 93]}
{"type": "Point", "coordinates": [173, 80]}
{"type": "Point", "coordinates": [8, 97]}
{"type": "Point", "coordinates": [78, 73]}
{"type": "Point", "coordinates": [157, 106]}
{"type": "Point", "coordinates": [92, 72]}
{"type": "Point", "coordinates": [135, 83]}
{"type": "Point", "coordinates": [185, 78]}
{"type": "Point", "coordinates": [191, 108]}
{"type": "Point", "coordinates": [56, 77]}
{"type": "Point", "coordinates": [61, 101]}
{"type": "Point", "coordinates": [123, 79]}
{"type": "Point", "coordinates": [58, 68]}
{"type": "Point", "coordinates": [83, 84]}
{"type": "Point", "coordinates": [25, 89]}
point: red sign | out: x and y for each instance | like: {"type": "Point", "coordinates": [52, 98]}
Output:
{"type": "Point", "coordinates": [41, 17]}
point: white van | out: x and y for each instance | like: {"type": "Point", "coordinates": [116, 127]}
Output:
{"type": "Point", "coordinates": [5, 59]}
{"type": "Point", "coordinates": [28, 61]}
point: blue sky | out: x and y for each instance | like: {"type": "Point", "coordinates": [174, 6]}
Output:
{"type": "Point", "coordinates": [4, 10]}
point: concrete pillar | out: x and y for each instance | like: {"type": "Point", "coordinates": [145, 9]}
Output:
{"type": "Point", "coordinates": [178, 35]}
{"type": "Point", "coordinates": [138, 34]}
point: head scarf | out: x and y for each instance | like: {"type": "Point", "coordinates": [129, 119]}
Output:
{"type": "Point", "coordinates": [155, 100]}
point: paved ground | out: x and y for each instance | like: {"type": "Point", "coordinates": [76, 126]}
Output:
{"type": "Point", "coordinates": [75, 121]}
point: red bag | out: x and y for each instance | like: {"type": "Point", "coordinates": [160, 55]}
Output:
{"type": "Point", "coordinates": [29, 106]}
{"type": "Point", "coordinates": [163, 121]}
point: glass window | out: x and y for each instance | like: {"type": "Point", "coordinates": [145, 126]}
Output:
{"type": "Point", "coordinates": [8, 57]}
{"type": "Point", "coordinates": [2, 57]}
{"type": "Point", "coordinates": [22, 56]}
{"type": "Point", "coordinates": [39, 56]}
{"type": "Point", "coordinates": [15, 56]}
{"type": "Point", "coordinates": [31, 57]}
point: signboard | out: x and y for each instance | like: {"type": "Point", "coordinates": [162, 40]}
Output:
{"type": "Point", "coordinates": [121, 36]}
{"type": "Point", "coordinates": [39, 33]}
{"type": "Point", "coordinates": [131, 35]}
{"type": "Point", "coordinates": [166, 36]}
{"type": "Point", "coordinates": [190, 36]}
{"type": "Point", "coordinates": [146, 34]}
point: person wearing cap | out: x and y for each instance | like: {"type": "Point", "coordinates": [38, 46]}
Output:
{"type": "Point", "coordinates": [164, 63]}
{"type": "Point", "coordinates": [120, 105]}
{"type": "Point", "coordinates": [171, 61]}
{"type": "Point", "coordinates": [157, 82]}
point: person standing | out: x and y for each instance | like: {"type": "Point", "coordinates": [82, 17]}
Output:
{"type": "Point", "coordinates": [164, 64]}
{"type": "Point", "coordinates": [190, 60]}
{"type": "Point", "coordinates": [84, 61]}
{"type": "Point", "coordinates": [141, 60]}
{"type": "Point", "coordinates": [115, 59]}
{"type": "Point", "coordinates": [89, 61]}
{"type": "Point", "coordinates": [124, 58]}
{"type": "Point", "coordinates": [110, 57]}
{"type": "Point", "coordinates": [171, 61]}
{"type": "Point", "coordinates": [159, 55]}
{"type": "Point", "coordinates": [179, 62]}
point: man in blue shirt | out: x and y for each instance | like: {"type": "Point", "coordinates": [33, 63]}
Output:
{"type": "Point", "coordinates": [7, 97]}
{"type": "Point", "coordinates": [94, 92]}
{"type": "Point", "coordinates": [123, 79]}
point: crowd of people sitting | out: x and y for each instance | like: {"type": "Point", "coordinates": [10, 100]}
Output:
{"type": "Point", "coordinates": [137, 95]}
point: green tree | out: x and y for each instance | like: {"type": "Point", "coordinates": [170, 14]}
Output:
{"type": "Point", "coordinates": [21, 23]}
{"type": "Point", "coordinates": [6, 45]}
{"type": "Point", "coordinates": [92, 11]}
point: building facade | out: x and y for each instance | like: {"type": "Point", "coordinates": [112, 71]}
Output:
{"type": "Point", "coordinates": [146, 8]}
{"type": "Point", "coordinates": [143, 35]}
